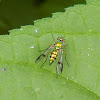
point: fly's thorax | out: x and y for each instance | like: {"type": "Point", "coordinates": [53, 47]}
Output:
{"type": "Point", "coordinates": [58, 45]}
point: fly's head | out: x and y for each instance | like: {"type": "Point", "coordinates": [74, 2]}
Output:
{"type": "Point", "coordinates": [62, 40]}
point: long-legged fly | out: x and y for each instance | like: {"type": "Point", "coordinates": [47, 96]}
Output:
{"type": "Point", "coordinates": [56, 51]}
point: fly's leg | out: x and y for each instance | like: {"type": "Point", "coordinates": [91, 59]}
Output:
{"type": "Point", "coordinates": [42, 50]}
{"type": "Point", "coordinates": [66, 60]}
{"type": "Point", "coordinates": [65, 56]}
{"type": "Point", "coordinates": [40, 57]}
{"type": "Point", "coordinates": [52, 45]}
{"type": "Point", "coordinates": [44, 61]}
{"type": "Point", "coordinates": [65, 45]}
{"type": "Point", "coordinates": [53, 38]}
{"type": "Point", "coordinates": [56, 73]}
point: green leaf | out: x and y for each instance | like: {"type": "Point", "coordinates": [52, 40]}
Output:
{"type": "Point", "coordinates": [23, 79]}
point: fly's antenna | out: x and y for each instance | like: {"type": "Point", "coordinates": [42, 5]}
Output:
{"type": "Point", "coordinates": [63, 36]}
{"type": "Point", "coordinates": [52, 37]}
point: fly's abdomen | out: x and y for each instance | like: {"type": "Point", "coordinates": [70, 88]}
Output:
{"type": "Point", "coordinates": [53, 56]}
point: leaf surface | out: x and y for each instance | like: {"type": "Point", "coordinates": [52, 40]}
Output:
{"type": "Point", "coordinates": [23, 79]}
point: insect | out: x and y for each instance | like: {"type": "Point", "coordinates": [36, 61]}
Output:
{"type": "Point", "coordinates": [56, 51]}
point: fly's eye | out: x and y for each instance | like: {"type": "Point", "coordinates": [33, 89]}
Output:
{"type": "Point", "coordinates": [58, 38]}
{"type": "Point", "coordinates": [63, 40]}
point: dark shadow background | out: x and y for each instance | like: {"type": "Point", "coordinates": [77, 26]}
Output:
{"type": "Point", "coordinates": [16, 13]}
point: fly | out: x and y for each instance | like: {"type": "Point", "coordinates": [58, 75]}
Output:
{"type": "Point", "coordinates": [56, 51]}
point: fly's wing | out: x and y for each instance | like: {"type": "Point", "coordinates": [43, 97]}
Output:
{"type": "Point", "coordinates": [59, 67]}
{"type": "Point", "coordinates": [45, 54]}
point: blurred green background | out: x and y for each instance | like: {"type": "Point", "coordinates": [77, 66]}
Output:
{"type": "Point", "coordinates": [16, 13]}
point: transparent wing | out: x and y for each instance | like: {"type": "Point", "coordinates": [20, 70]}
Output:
{"type": "Point", "coordinates": [59, 67]}
{"type": "Point", "coordinates": [45, 54]}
